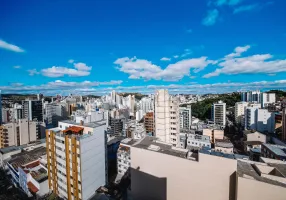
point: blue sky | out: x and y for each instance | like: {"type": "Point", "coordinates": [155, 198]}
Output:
{"type": "Point", "coordinates": [186, 46]}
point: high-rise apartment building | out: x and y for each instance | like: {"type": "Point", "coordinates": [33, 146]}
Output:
{"type": "Point", "coordinates": [251, 96]}
{"type": "Point", "coordinates": [76, 155]}
{"type": "Point", "coordinates": [18, 133]}
{"type": "Point", "coordinates": [129, 102]}
{"type": "Point", "coordinates": [240, 112]}
{"type": "Point", "coordinates": [251, 116]}
{"type": "Point", "coordinates": [219, 113]}
{"type": "Point", "coordinates": [185, 117]}
{"type": "Point", "coordinates": [259, 119]}
{"type": "Point", "coordinates": [267, 98]}
{"type": "Point", "coordinates": [149, 123]}
{"type": "Point", "coordinates": [146, 104]}
{"type": "Point", "coordinates": [167, 120]}
{"type": "Point", "coordinates": [33, 110]}
{"type": "Point", "coordinates": [265, 121]}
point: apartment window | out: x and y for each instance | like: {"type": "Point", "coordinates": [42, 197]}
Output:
{"type": "Point", "coordinates": [60, 126]}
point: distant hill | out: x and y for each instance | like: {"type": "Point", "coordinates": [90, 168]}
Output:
{"type": "Point", "coordinates": [137, 95]}
{"type": "Point", "coordinates": [202, 109]}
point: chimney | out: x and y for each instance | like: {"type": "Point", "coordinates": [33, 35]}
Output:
{"type": "Point", "coordinates": [81, 122]}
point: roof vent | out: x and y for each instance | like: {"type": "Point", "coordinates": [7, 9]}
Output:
{"type": "Point", "coordinates": [154, 147]}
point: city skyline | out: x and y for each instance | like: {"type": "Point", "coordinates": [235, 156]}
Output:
{"type": "Point", "coordinates": [94, 47]}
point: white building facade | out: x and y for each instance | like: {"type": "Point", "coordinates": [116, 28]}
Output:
{"type": "Point", "coordinates": [267, 98]}
{"type": "Point", "coordinates": [240, 112]}
{"type": "Point", "coordinates": [167, 123]}
{"type": "Point", "coordinates": [76, 159]}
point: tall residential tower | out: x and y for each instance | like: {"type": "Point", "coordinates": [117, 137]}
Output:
{"type": "Point", "coordinates": [167, 120]}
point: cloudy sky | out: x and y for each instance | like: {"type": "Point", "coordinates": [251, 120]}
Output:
{"type": "Point", "coordinates": [186, 46]}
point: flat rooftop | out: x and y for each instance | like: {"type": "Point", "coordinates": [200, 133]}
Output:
{"type": "Point", "coordinates": [251, 170]}
{"type": "Point", "coordinates": [90, 124]}
{"type": "Point", "coordinates": [15, 148]}
{"type": "Point", "coordinates": [277, 149]}
{"type": "Point", "coordinates": [224, 155]}
{"type": "Point", "coordinates": [150, 143]}
{"type": "Point", "coordinates": [129, 141]}
{"type": "Point", "coordinates": [223, 143]}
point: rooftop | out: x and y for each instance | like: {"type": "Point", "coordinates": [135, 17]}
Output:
{"type": "Point", "coordinates": [91, 124]}
{"type": "Point", "coordinates": [225, 143]}
{"type": "Point", "coordinates": [73, 130]}
{"type": "Point", "coordinates": [37, 171]}
{"type": "Point", "coordinates": [279, 150]}
{"type": "Point", "coordinates": [197, 137]}
{"type": "Point", "coordinates": [26, 157]}
{"type": "Point", "coordinates": [129, 141]}
{"type": "Point", "coordinates": [256, 171]}
{"type": "Point", "coordinates": [150, 143]}
{"type": "Point", "coordinates": [220, 154]}
{"type": "Point", "coordinates": [14, 148]}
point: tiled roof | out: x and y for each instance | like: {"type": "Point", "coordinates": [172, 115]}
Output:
{"type": "Point", "coordinates": [32, 187]}
{"type": "Point", "coordinates": [74, 129]}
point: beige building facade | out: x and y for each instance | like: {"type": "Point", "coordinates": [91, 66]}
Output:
{"type": "Point", "coordinates": [160, 171]}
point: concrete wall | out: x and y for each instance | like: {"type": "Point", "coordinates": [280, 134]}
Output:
{"type": "Point", "coordinates": [44, 188]}
{"type": "Point", "coordinates": [162, 115]}
{"type": "Point", "coordinates": [93, 161]}
{"type": "Point", "coordinates": [248, 189]}
{"type": "Point", "coordinates": [256, 137]}
{"type": "Point", "coordinates": [160, 176]}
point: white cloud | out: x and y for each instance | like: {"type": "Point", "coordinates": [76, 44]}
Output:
{"type": "Point", "coordinates": [88, 87]}
{"type": "Point", "coordinates": [165, 59]}
{"type": "Point", "coordinates": [245, 8]}
{"type": "Point", "coordinates": [211, 18]}
{"type": "Point", "coordinates": [32, 72]}
{"type": "Point", "coordinates": [227, 2]}
{"type": "Point", "coordinates": [17, 67]}
{"type": "Point", "coordinates": [62, 71]}
{"type": "Point", "coordinates": [81, 69]}
{"type": "Point", "coordinates": [139, 68]}
{"type": "Point", "coordinates": [176, 56]}
{"type": "Point", "coordinates": [57, 86]}
{"type": "Point", "coordinates": [238, 51]}
{"type": "Point", "coordinates": [71, 61]}
{"type": "Point", "coordinates": [10, 47]}
{"type": "Point", "coordinates": [253, 64]}
{"type": "Point", "coordinates": [186, 53]}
